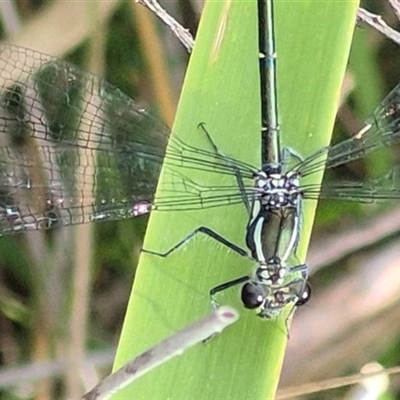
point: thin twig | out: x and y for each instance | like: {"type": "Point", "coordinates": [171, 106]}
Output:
{"type": "Point", "coordinates": [332, 383]}
{"type": "Point", "coordinates": [174, 345]}
{"type": "Point", "coordinates": [396, 7]}
{"type": "Point", "coordinates": [376, 22]}
{"type": "Point", "coordinates": [179, 31]}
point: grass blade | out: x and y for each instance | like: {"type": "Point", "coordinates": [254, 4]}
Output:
{"type": "Point", "coordinates": [221, 89]}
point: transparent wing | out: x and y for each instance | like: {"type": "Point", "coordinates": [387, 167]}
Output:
{"type": "Point", "coordinates": [178, 192]}
{"type": "Point", "coordinates": [58, 124]}
{"type": "Point", "coordinates": [74, 149]}
{"type": "Point", "coordinates": [381, 129]}
{"type": "Point", "coordinates": [385, 187]}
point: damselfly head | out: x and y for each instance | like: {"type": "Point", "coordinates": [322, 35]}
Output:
{"type": "Point", "coordinates": [269, 303]}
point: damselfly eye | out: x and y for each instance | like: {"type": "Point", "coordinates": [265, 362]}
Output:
{"type": "Point", "coordinates": [252, 297]}
{"type": "Point", "coordinates": [304, 296]}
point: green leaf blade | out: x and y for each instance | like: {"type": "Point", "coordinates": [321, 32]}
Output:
{"type": "Point", "coordinates": [221, 90]}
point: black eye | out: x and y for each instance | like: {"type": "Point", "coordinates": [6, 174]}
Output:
{"type": "Point", "coordinates": [252, 297]}
{"type": "Point", "coordinates": [304, 296]}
